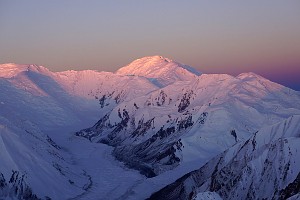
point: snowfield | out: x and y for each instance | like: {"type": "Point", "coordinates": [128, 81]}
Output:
{"type": "Point", "coordinates": [126, 135]}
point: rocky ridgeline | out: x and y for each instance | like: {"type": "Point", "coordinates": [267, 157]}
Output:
{"type": "Point", "coordinates": [16, 187]}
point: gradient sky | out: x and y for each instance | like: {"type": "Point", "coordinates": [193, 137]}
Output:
{"type": "Point", "coordinates": [214, 36]}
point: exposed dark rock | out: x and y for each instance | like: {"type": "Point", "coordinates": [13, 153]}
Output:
{"type": "Point", "coordinates": [202, 118]}
{"type": "Point", "coordinates": [292, 189]}
{"type": "Point", "coordinates": [2, 181]}
{"type": "Point", "coordinates": [142, 127]}
{"type": "Point", "coordinates": [184, 124]}
{"type": "Point", "coordinates": [233, 133]}
{"type": "Point", "coordinates": [102, 101]}
{"type": "Point", "coordinates": [161, 98]}
{"type": "Point", "coordinates": [135, 106]}
{"type": "Point", "coordinates": [150, 156]}
{"type": "Point", "coordinates": [52, 143]}
{"type": "Point", "coordinates": [94, 131]}
{"type": "Point", "coordinates": [185, 101]}
{"type": "Point", "coordinates": [16, 187]}
{"type": "Point", "coordinates": [235, 177]}
{"type": "Point", "coordinates": [58, 168]}
{"type": "Point", "coordinates": [118, 97]}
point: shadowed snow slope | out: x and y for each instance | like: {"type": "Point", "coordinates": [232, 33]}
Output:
{"type": "Point", "coordinates": [266, 166]}
{"type": "Point", "coordinates": [158, 116]}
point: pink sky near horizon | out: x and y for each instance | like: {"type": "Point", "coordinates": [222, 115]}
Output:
{"type": "Point", "coordinates": [212, 36]}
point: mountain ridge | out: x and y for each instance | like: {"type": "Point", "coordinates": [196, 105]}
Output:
{"type": "Point", "coordinates": [160, 125]}
{"type": "Point", "coordinates": [166, 122]}
{"type": "Point", "coordinates": [248, 169]}
{"type": "Point", "coordinates": [8, 70]}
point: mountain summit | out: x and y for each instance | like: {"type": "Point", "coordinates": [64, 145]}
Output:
{"type": "Point", "coordinates": [162, 70]}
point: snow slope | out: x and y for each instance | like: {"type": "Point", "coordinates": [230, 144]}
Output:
{"type": "Point", "coordinates": [39, 108]}
{"type": "Point", "coordinates": [32, 104]}
{"type": "Point", "coordinates": [33, 165]}
{"type": "Point", "coordinates": [266, 166]}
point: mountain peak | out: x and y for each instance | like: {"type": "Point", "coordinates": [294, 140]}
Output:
{"type": "Point", "coordinates": [260, 82]}
{"type": "Point", "coordinates": [163, 69]}
{"type": "Point", "coordinates": [248, 75]}
{"type": "Point", "coordinates": [154, 58]}
{"type": "Point", "coordinates": [10, 70]}
{"type": "Point", "coordinates": [145, 66]}
{"type": "Point", "coordinates": [153, 66]}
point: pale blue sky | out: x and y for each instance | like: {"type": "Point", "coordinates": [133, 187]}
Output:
{"type": "Point", "coordinates": [262, 36]}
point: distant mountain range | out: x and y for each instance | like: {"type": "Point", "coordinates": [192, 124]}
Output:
{"type": "Point", "coordinates": [221, 136]}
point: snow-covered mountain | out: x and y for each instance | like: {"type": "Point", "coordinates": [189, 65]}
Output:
{"type": "Point", "coordinates": [161, 71]}
{"type": "Point", "coordinates": [33, 166]}
{"type": "Point", "coordinates": [37, 106]}
{"type": "Point", "coordinates": [191, 120]}
{"type": "Point", "coordinates": [158, 116]}
{"type": "Point", "coordinates": [266, 166]}
{"type": "Point", "coordinates": [33, 105]}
